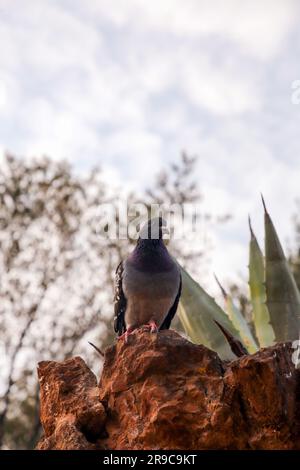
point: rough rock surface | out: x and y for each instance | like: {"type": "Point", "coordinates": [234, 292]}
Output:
{"type": "Point", "coordinates": [71, 413]}
{"type": "Point", "coordinates": [163, 392]}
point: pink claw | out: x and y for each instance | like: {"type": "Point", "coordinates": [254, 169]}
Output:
{"type": "Point", "coordinates": [152, 326]}
{"type": "Point", "coordinates": [125, 335]}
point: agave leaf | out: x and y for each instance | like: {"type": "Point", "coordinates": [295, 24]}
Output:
{"type": "Point", "coordinates": [261, 318]}
{"type": "Point", "coordinates": [235, 345]}
{"type": "Point", "coordinates": [283, 297]}
{"type": "Point", "coordinates": [197, 312]}
{"type": "Point", "coordinates": [239, 322]}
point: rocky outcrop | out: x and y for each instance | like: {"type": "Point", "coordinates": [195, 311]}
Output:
{"type": "Point", "coordinates": [163, 392]}
{"type": "Point", "coordinates": [71, 414]}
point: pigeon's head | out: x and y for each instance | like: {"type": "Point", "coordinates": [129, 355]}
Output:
{"type": "Point", "coordinates": [154, 229]}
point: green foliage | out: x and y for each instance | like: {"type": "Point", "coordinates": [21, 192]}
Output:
{"type": "Point", "coordinates": [239, 322]}
{"type": "Point", "coordinates": [201, 328]}
{"type": "Point", "coordinates": [283, 297]}
{"type": "Point", "coordinates": [261, 318]}
{"type": "Point", "coordinates": [275, 300]}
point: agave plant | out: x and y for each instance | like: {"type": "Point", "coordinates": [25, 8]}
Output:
{"type": "Point", "coordinates": [274, 296]}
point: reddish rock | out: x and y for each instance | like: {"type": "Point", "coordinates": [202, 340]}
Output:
{"type": "Point", "coordinates": [163, 392]}
{"type": "Point", "coordinates": [71, 413]}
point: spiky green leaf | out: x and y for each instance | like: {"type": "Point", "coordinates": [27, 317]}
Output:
{"type": "Point", "coordinates": [235, 345]}
{"type": "Point", "coordinates": [261, 318]}
{"type": "Point", "coordinates": [197, 311]}
{"type": "Point", "coordinates": [239, 322]}
{"type": "Point", "coordinates": [283, 297]}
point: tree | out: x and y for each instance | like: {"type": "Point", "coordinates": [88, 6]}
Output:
{"type": "Point", "coordinates": [50, 294]}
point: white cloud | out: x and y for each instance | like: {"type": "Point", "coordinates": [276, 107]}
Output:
{"type": "Point", "coordinates": [130, 83]}
{"type": "Point", "coordinates": [3, 95]}
{"type": "Point", "coordinates": [46, 36]}
{"type": "Point", "coordinates": [138, 153]}
{"type": "Point", "coordinates": [59, 135]}
{"type": "Point", "coordinates": [219, 89]}
{"type": "Point", "coordinates": [247, 23]}
{"type": "Point", "coordinates": [9, 94]}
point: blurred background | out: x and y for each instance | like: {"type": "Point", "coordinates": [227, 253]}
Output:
{"type": "Point", "coordinates": [170, 101]}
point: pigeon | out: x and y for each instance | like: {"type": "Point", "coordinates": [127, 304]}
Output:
{"type": "Point", "coordinates": [147, 284]}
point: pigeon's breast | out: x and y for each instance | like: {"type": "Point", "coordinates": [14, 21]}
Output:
{"type": "Point", "coordinates": [149, 295]}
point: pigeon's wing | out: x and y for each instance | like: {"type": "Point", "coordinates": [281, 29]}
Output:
{"type": "Point", "coordinates": [167, 321]}
{"type": "Point", "coordinates": [119, 302]}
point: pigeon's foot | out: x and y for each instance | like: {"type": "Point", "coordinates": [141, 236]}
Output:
{"type": "Point", "coordinates": [151, 326]}
{"type": "Point", "coordinates": [154, 327]}
{"type": "Point", "coordinates": [125, 335]}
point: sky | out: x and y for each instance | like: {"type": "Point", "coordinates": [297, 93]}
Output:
{"type": "Point", "coordinates": [129, 84]}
